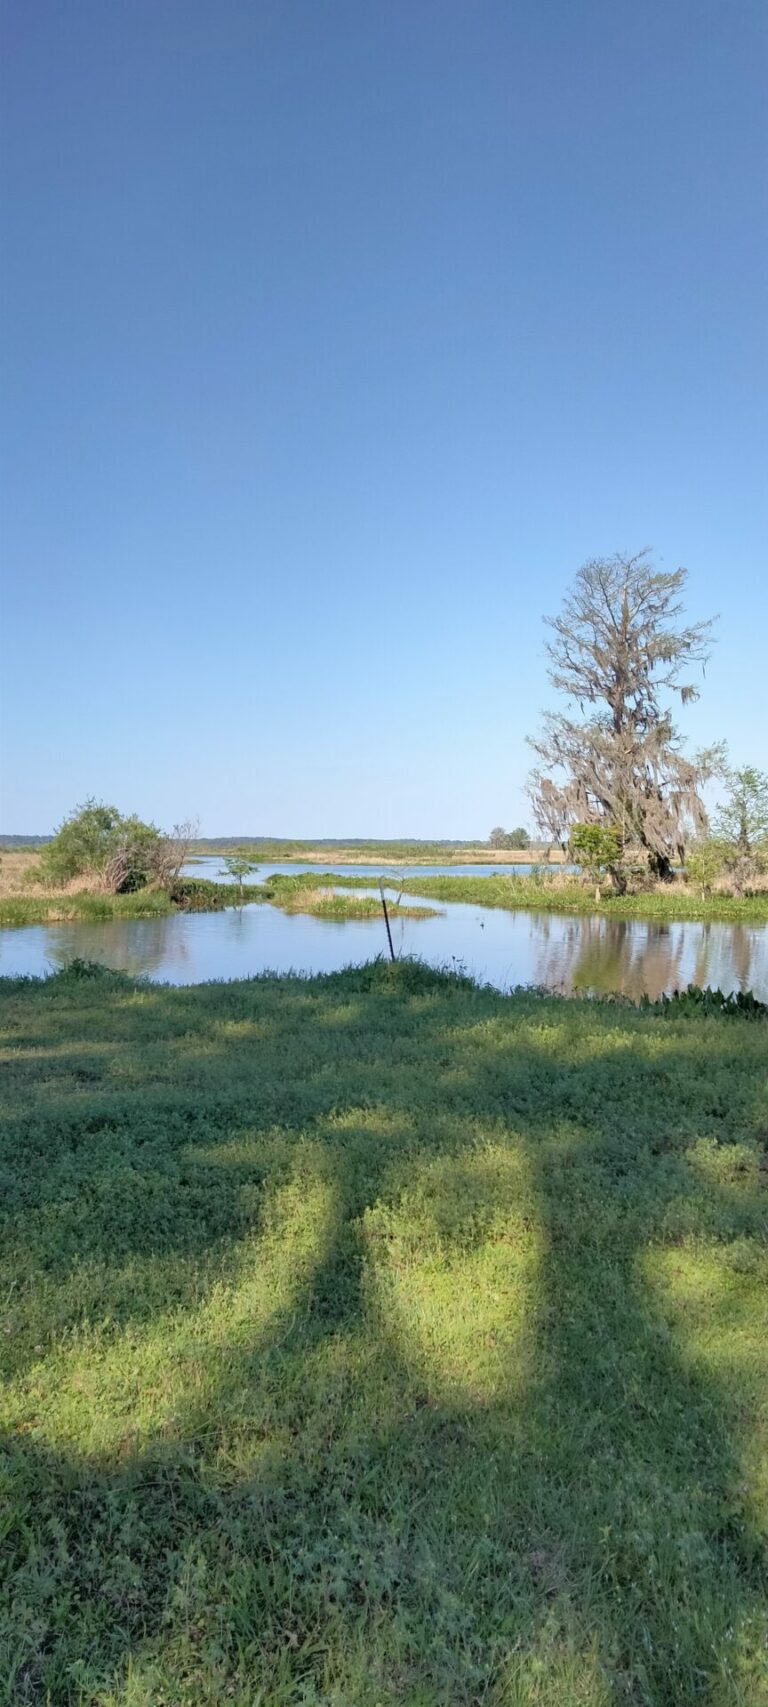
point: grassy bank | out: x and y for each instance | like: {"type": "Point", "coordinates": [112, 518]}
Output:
{"type": "Point", "coordinates": [380, 1340]}
{"type": "Point", "coordinates": [556, 894]}
{"type": "Point", "coordinates": [549, 892]}
{"type": "Point", "coordinates": [311, 892]}
{"type": "Point", "coordinates": [47, 909]}
{"type": "Point", "coordinates": [304, 893]}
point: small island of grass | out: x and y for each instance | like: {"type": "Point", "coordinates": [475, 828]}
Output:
{"type": "Point", "coordinates": [294, 896]}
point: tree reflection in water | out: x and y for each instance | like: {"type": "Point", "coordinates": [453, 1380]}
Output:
{"type": "Point", "coordinates": [605, 956]}
{"type": "Point", "coordinates": [556, 951]}
{"type": "Point", "coordinates": [637, 957]}
{"type": "Point", "coordinates": [137, 946]}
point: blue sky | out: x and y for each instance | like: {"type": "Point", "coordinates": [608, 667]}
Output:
{"type": "Point", "coordinates": [335, 337]}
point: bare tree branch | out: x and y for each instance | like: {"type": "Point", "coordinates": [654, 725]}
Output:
{"type": "Point", "coordinates": [173, 851]}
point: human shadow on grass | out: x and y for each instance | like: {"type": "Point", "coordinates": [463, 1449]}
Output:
{"type": "Point", "coordinates": [444, 1500]}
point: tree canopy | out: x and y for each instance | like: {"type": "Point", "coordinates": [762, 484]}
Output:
{"type": "Point", "coordinates": [238, 866]}
{"type": "Point", "coordinates": [500, 838]}
{"type": "Point", "coordinates": [743, 817]}
{"type": "Point", "coordinates": [118, 852]}
{"type": "Point", "coordinates": [619, 652]}
{"type": "Point", "coordinates": [738, 851]}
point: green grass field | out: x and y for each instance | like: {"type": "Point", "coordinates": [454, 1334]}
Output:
{"type": "Point", "coordinates": [379, 1341]}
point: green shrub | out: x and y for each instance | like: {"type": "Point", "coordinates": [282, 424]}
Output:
{"type": "Point", "coordinates": [695, 1001]}
{"type": "Point", "coordinates": [97, 841]}
{"type": "Point", "coordinates": [597, 849]}
{"type": "Point", "coordinates": [706, 862]}
{"type": "Point", "coordinates": [518, 838]}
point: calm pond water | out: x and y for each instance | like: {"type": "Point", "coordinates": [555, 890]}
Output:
{"type": "Point", "coordinates": [505, 948]}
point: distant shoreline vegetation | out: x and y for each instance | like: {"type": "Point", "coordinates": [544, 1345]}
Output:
{"type": "Point", "coordinates": [361, 851]}
{"type": "Point", "coordinates": [344, 850]}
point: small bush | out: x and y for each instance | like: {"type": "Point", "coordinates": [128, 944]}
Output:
{"type": "Point", "coordinates": [597, 850]}
{"type": "Point", "coordinates": [200, 895]}
{"type": "Point", "coordinates": [695, 1001]}
{"type": "Point", "coordinates": [79, 971]}
{"type": "Point", "coordinates": [119, 853]}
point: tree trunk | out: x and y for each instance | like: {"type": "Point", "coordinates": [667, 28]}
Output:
{"type": "Point", "coordinates": [618, 878]}
{"type": "Point", "coordinates": [661, 867]}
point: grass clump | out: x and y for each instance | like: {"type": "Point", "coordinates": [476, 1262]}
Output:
{"type": "Point", "coordinates": [202, 895]}
{"type": "Point", "coordinates": [380, 1339]}
{"type": "Point", "coordinates": [303, 894]}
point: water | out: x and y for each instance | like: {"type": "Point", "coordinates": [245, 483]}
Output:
{"type": "Point", "coordinates": [558, 951]}
{"type": "Point", "coordinates": [211, 867]}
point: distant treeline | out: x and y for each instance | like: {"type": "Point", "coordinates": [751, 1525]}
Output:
{"type": "Point", "coordinates": [300, 846]}
{"type": "Point", "coordinates": [280, 842]}
{"type": "Point", "coordinates": [23, 841]}
{"type": "Point", "coordinates": [272, 847]}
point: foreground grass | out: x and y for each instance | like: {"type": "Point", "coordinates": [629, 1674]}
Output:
{"type": "Point", "coordinates": [378, 1339]}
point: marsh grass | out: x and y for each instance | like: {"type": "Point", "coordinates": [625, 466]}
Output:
{"type": "Point", "coordinates": [377, 1339]}
{"type": "Point", "coordinates": [299, 893]}
{"type": "Point", "coordinates": [296, 895]}
{"type": "Point", "coordinates": [56, 907]}
{"type": "Point", "coordinates": [544, 889]}
{"type": "Point", "coordinates": [18, 868]}
{"type": "Point", "coordinates": [397, 852]}
{"type": "Point", "coordinates": [51, 906]}
{"type": "Point", "coordinates": [559, 892]}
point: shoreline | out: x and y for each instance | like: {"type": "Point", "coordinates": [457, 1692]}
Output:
{"type": "Point", "coordinates": [322, 857]}
{"type": "Point", "coordinates": [510, 894]}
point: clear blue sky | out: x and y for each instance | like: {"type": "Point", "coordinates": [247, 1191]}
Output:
{"type": "Point", "coordinates": [335, 336]}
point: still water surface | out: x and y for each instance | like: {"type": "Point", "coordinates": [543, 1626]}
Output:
{"type": "Point", "coordinates": [562, 952]}
{"type": "Point", "coordinates": [212, 867]}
